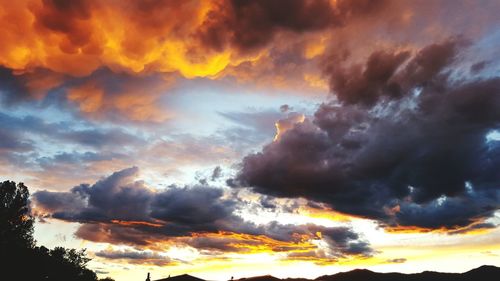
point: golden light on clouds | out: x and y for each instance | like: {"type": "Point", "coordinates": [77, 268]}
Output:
{"type": "Point", "coordinates": [284, 125]}
{"type": "Point", "coordinates": [317, 137]}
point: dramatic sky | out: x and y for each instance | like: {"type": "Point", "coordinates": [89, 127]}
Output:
{"type": "Point", "coordinates": [237, 138]}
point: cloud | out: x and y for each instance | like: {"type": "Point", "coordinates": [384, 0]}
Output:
{"type": "Point", "coordinates": [248, 25]}
{"type": "Point", "coordinates": [48, 54]}
{"type": "Point", "coordinates": [287, 123]}
{"type": "Point", "coordinates": [119, 210]}
{"type": "Point", "coordinates": [419, 160]}
{"type": "Point", "coordinates": [120, 96]}
{"type": "Point", "coordinates": [136, 257]}
{"type": "Point", "coordinates": [79, 37]}
{"type": "Point", "coordinates": [253, 128]}
{"type": "Point", "coordinates": [398, 260]}
{"type": "Point", "coordinates": [12, 142]}
{"type": "Point", "coordinates": [95, 202]}
{"type": "Point", "coordinates": [216, 173]}
{"type": "Point", "coordinates": [204, 37]}
{"type": "Point", "coordinates": [62, 132]}
{"type": "Point", "coordinates": [387, 74]}
{"type": "Point", "coordinates": [341, 244]}
{"type": "Point", "coordinates": [478, 66]}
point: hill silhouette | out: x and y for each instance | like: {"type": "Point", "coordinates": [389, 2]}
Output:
{"type": "Point", "coordinates": [260, 278]}
{"type": "Point", "coordinates": [183, 277]}
{"type": "Point", "coordinates": [483, 273]}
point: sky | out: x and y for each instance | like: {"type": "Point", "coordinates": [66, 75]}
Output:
{"type": "Point", "coordinates": [241, 138]}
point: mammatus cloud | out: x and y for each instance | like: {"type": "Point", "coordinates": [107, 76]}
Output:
{"type": "Point", "coordinates": [248, 25]}
{"type": "Point", "coordinates": [119, 210]}
{"type": "Point", "coordinates": [76, 52]}
{"type": "Point", "coordinates": [79, 37]}
{"type": "Point", "coordinates": [405, 146]}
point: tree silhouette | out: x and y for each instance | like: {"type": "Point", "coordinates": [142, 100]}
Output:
{"type": "Point", "coordinates": [20, 258]}
{"type": "Point", "coordinates": [16, 224]}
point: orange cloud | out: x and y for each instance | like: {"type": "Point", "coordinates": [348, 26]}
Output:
{"type": "Point", "coordinates": [286, 124]}
{"type": "Point", "coordinates": [136, 223]}
{"type": "Point", "coordinates": [256, 43]}
{"type": "Point", "coordinates": [89, 97]}
{"type": "Point", "coordinates": [250, 244]}
{"type": "Point", "coordinates": [478, 227]}
{"type": "Point", "coordinates": [195, 38]}
{"type": "Point", "coordinates": [78, 37]}
{"type": "Point", "coordinates": [135, 98]}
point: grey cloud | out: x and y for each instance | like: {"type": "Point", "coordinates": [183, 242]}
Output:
{"type": "Point", "coordinates": [389, 73]}
{"type": "Point", "coordinates": [249, 25]}
{"type": "Point", "coordinates": [216, 173]}
{"type": "Point", "coordinates": [120, 210]}
{"type": "Point", "coordinates": [393, 162]}
{"type": "Point", "coordinates": [114, 197]}
{"type": "Point", "coordinates": [398, 260]}
{"type": "Point", "coordinates": [95, 137]}
{"type": "Point", "coordinates": [136, 257]}
{"type": "Point", "coordinates": [13, 142]}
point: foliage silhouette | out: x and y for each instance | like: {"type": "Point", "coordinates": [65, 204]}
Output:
{"type": "Point", "coordinates": [16, 224]}
{"type": "Point", "coordinates": [21, 259]}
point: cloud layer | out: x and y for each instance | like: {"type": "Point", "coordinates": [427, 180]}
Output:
{"type": "Point", "coordinates": [406, 145]}
{"type": "Point", "coordinates": [120, 210]}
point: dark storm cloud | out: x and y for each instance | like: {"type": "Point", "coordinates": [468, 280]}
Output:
{"type": "Point", "coordinates": [419, 160]}
{"type": "Point", "coordinates": [248, 25]}
{"type": "Point", "coordinates": [455, 211]}
{"type": "Point", "coordinates": [358, 85]}
{"type": "Point", "coordinates": [57, 202]}
{"type": "Point", "coordinates": [381, 75]}
{"type": "Point", "coordinates": [119, 210]}
{"type": "Point", "coordinates": [193, 209]}
{"type": "Point", "coordinates": [114, 197]}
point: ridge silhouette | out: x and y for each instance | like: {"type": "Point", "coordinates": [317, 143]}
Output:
{"type": "Point", "coordinates": [183, 277]}
{"type": "Point", "coordinates": [482, 273]}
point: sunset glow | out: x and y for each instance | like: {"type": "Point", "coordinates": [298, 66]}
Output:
{"type": "Point", "coordinates": [239, 138]}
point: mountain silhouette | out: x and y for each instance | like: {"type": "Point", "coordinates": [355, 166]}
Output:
{"type": "Point", "coordinates": [260, 278]}
{"type": "Point", "coordinates": [483, 273]}
{"type": "Point", "coordinates": [183, 277]}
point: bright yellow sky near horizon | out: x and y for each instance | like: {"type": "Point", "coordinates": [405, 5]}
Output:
{"type": "Point", "coordinates": [233, 138]}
